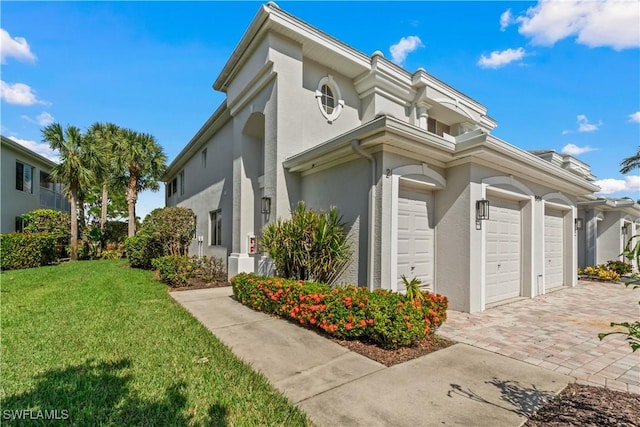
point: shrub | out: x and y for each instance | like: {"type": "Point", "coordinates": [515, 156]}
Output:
{"type": "Point", "coordinates": [27, 250]}
{"type": "Point", "coordinates": [209, 269]}
{"type": "Point", "coordinates": [47, 221]}
{"type": "Point", "coordinates": [112, 254]}
{"type": "Point", "coordinates": [173, 227]}
{"type": "Point", "coordinates": [309, 246]}
{"type": "Point", "coordinates": [115, 232]}
{"type": "Point", "coordinates": [619, 267]}
{"type": "Point", "coordinates": [601, 272]}
{"type": "Point", "coordinates": [141, 249]}
{"type": "Point", "coordinates": [174, 270]}
{"type": "Point", "coordinates": [383, 317]}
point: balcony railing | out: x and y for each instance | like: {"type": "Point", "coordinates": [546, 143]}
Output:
{"type": "Point", "coordinates": [52, 200]}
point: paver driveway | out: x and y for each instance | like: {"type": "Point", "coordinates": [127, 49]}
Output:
{"type": "Point", "coordinates": [559, 331]}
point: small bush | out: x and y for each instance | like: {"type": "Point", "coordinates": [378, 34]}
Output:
{"type": "Point", "coordinates": [309, 246]}
{"type": "Point", "coordinates": [47, 221]}
{"type": "Point", "coordinates": [619, 267]}
{"type": "Point", "coordinates": [174, 270]}
{"type": "Point", "coordinates": [112, 254]}
{"type": "Point", "coordinates": [601, 272]}
{"type": "Point", "coordinates": [115, 232]}
{"type": "Point", "coordinates": [141, 250]}
{"type": "Point", "coordinates": [209, 269]}
{"type": "Point", "coordinates": [172, 226]}
{"type": "Point", "coordinates": [388, 319]}
{"type": "Point", "coordinates": [27, 250]}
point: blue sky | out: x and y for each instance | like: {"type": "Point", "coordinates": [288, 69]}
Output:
{"type": "Point", "coordinates": [561, 76]}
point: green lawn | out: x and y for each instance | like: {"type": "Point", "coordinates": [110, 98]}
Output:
{"type": "Point", "coordinates": [108, 345]}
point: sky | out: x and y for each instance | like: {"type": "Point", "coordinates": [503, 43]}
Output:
{"type": "Point", "coordinates": [554, 75]}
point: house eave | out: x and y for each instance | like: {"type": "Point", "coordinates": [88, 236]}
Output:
{"type": "Point", "coordinates": [24, 150]}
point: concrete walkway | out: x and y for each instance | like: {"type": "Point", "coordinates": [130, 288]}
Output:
{"type": "Point", "coordinates": [559, 332]}
{"type": "Point", "coordinates": [460, 385]}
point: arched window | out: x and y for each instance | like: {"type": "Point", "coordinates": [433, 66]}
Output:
{"type": "Point", "coordinates": [329, 98]}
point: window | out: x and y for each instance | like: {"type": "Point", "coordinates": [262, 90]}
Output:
{"type": "Point", "coordinates": [174, 185]}
{"type": "Point", "coordinates": [182, 183]}
{"type": "Point", "coordinates": [328, 101]}
{"type": "Point", "coordinates": [168, 185]}
{"type": "Point", "coordinates": [204, 158]}
{"type": "Point", "coordinates": [215, 228]}
{"type": "Point", "coordinates": [24, 177]}
{"type": "Point", "coordinates": [46, 182]}
{"type": "Point", "coordinates": [437, 127]}
{"type": "Point", "coordinates": [19, 224]}
{"type": "Point", "coordinates": [329, 98]}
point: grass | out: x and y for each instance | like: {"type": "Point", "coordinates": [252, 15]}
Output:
{"type": "Point", "coordinates": [108, 345]}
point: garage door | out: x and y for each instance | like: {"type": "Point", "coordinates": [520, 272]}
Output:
{"type": "Point", "coordinates": [415, 236]}
{"type": "Point", "coordinates": [553, 249]}
{"type": "Point", "coordinates": [503, 251]}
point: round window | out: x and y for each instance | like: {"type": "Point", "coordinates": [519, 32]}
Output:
{"type": "Point", "coordinates": [329, 100]}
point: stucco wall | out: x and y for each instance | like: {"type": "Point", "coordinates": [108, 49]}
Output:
{"type": "Point", "coordinates": [346, 187]}
{"type": "Point", "coordinates": [16, 202]}
{"type": "Point", "coordinates": [609, 237]}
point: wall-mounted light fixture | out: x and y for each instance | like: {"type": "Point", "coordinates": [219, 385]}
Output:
{"type": "Point", "coordinates": [482, 210]}
{"type": "Point", "coordinates": [579, 223]}
{"type": "Point", "coordinates": [265, 206]}
{"type": "Point", "coordinates": [626, 227]}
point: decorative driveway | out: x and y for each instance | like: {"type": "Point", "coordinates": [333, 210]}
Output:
{"type": "Point", "coordinates": [559, 331]}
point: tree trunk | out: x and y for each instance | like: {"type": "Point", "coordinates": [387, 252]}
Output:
{"type": "Point", "coordinates": [103, 206]}
{"type": "Point", "coordinates": [132, 197]}
{"type": "Point", "coordinates": [74, 224]}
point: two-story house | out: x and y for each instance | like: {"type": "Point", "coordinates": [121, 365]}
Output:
{"type": "Point", "coordinates": [26, 185]}
{"type": "Point", "coordinates": [410, 162]}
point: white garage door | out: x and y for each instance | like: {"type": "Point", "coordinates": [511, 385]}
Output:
{"type": "Point", "coordinates": [503, 251]}
{"type": "Point", "coordinates": [415, 236]}
{"type": "Point", "coordinates": [553, 249]}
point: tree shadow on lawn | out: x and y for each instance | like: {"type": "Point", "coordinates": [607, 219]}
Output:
{"type": "Point", "coordinates": [524, 401]}
{"type": "Point", "coordinates": [96, 393]}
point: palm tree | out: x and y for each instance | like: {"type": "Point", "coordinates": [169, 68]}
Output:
{"type": "Point", "coordinates": [142, 162]}
{"type": "Point", "coordinates": [80, 161]}
{"type": "Point", "coordinates": [630, 163]}
{"type": "Point", "coordinates": [106, 134]}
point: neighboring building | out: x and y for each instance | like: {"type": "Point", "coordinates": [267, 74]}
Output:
{"type": "Point", "coordinates": [407, 159]}
{"type": "Point", "coordinates": [609, 224]}
{"type": "Point", "coordinates": [26, 185]}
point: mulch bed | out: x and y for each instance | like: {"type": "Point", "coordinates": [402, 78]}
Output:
{"type": "Point", "coordinates": [196, 283]}
{"type": "Point", "coordinates": [392, 357]}
{"type": "Point", "coordinates": [581, 405]}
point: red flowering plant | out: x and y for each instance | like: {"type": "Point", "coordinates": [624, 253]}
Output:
{"type": "Point", "coordinates": [386, 318]}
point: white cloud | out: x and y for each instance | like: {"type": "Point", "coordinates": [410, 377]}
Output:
{"type": "Point", "coordinates": [497, 59]}
{"type": "Point", "coordinates": [16, 47]}
{"type": "Point", "coordinates": [40, 148]}
{"type": "Point", "coordinates": [43, 119]}
{"type": "Point", "coordinates": [609, 23]}
{"type": "Point", "coordinates": [585, 126]}
{"type": "Point", "coordinates": [406, 45]}
{"type": "Point", "coordinates": [635, 117]}
{"type": "Point", "coordinates": [18, 94]}
{"type": "Point", "coordinates": [574, 150]}
{"type": "Point", "coordinates": [610, 185]}
{"type": "Point", "coordinates": [506, 19]}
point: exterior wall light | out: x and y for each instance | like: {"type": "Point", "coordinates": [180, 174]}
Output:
{"type": "Point", "coordinates": [579, 223]}
{"type": "Point", "coordinates": [265, 206]}
{"type": "Point", "coordinates": [626, 227]}
{"type": "Point", "coordinates": [482, 210]}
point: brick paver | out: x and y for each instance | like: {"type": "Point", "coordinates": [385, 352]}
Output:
{"type": "Point", "coordinates": [559, 332]}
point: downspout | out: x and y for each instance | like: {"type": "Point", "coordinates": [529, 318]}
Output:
{"type": "Point", "coordinates": [355, 146]}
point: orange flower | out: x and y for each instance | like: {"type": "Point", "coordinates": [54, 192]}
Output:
{"type": "Point", "coordinates": [362, 323]}
{"type": "Point", "coordinates": [408, 325]}
{"type": "Point", "coordinates": [348, 326]}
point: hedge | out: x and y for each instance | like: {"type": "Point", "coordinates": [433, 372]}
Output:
{"type": "Point", "coordinates": [385, 318]}
{"type": "Point", "coordinates": [27, 250]}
